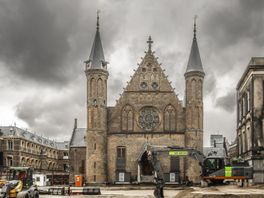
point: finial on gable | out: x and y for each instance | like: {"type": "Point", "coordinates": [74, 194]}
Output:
{"type": "Point", "coordinates": [149, 43]}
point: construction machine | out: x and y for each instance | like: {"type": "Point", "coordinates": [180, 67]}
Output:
{"type": "Point", "coordinates": [19, 184]}
{"type": "Point", "coordinates": [2, 182]}
{"type": "Point", "coordinates": [214, 169]}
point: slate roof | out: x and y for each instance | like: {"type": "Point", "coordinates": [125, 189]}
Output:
{"type": "Point", "coordinates": [194, 63]}
{"type": "Point", "coordinates": [96, 58]}
{"type": "Point", "coordinates": [63, 145]}
{"type": "Point", "coordinates": [78, 137]}
{"type": "Point", "coordinates": [13, 131]}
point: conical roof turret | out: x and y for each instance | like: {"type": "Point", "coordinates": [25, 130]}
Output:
{"type": "Point", "coordinates": [96, 59]}
{"type": "Point", "coordinates": [194, 63]}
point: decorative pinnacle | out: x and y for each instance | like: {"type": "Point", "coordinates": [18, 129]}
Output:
{"type": "Point", "coordinates": [97, 23]}
{"type": "Point", "coordinates": [149, 43]}
{"type": "Point", "coordinates": [194, 27]}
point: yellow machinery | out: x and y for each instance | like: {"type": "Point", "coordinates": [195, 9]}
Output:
{"type": "Point", "coordinates": [19, 184]}
{"type": "Point", "coordinates": [2, 183]}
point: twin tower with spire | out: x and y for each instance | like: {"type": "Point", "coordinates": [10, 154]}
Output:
{"type": "Point", "coordinates": [116, 135]}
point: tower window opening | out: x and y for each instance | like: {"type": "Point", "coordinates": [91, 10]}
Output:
{"type": "Point", "coordinates": [94, 178]}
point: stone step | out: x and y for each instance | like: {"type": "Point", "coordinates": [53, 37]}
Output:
{"type": "Point", "coordinates": [147, 178]}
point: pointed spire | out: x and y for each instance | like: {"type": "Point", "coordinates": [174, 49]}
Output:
{"type": "Point", "coordinates": [194, 63]}
{"type": "Point", "coordinates": [96, 58]}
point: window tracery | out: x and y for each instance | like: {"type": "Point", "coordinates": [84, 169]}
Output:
{"type": "Point", "coordinates": [148, 118]}
{"type": "Point", "coordinates": [127, 118]}
{"type": "Point", "coordinates": [169, 118]}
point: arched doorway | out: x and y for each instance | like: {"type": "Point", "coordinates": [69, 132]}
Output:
{"type": "Point", "coordinates": [146, 166]}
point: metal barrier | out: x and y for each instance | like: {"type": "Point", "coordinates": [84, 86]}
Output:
{"type": "Point", "coordinates": [91, 191]}
{"type": "Point", "coordinates": [74, 191]}
{"type": "Point", "coordinates": [57, 191]}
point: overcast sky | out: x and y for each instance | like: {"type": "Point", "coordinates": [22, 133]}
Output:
{"type": "Point", "coordinates": [43, 45]}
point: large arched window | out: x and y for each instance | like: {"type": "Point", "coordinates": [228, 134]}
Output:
{"type": "Point", "coordinates": [127, 118]}
{"type": "Point", "coordinates": [170, 118]}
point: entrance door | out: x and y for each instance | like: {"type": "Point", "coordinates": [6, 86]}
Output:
{"type": "Point", "coordinates": [146, 166]}
{"type": "Point", "coordinates": [175, 169]}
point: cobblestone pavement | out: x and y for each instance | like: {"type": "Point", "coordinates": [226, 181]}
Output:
{"type": "Point", "coordinates": [120, 194]}
{"type": "Point", "coordinates": [193, 192]}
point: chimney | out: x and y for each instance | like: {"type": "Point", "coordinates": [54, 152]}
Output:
{"type": "Point", "coordinates": [75, 123]}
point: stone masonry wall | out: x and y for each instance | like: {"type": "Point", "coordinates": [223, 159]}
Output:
{"type": "Point", "coordinates": [134, 146]}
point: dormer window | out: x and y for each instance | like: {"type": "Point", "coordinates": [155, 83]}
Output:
{"type": "Point", "coordinates": [88, 64]}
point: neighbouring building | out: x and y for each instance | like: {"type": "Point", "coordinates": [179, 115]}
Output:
{"type": "Point", "coordinates": [216, 140]}
{"type": "Point", "coordinates": [77, 152]}
{"type": "Point", "coordinates": [232, 150]}
{"type": "Point", "coordinates": [217, 146]}
{"type": "Point", "coordinates": [148, 111]}
{"type": "Point", "coordinates": [20, 147]}
{"type": "Point", "coordinates": [250, 117]}
{"type": "Point", "coordinates": [1, 151]}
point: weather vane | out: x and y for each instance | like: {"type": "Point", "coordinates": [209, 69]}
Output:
{"type": "Point", "coordinates": [97, 24]}
{"type": "Point", "coordinates": [194, 29]}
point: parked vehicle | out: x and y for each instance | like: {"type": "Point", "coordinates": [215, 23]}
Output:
{"type": "Point", "coordinates": [19, 184]}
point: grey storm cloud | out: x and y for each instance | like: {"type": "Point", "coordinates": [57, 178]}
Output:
{"type": "Point", "coordinates": [227, 102]}
{"type": "Point", "coordinates": [232, 23]}
{"type": "Point", "coordinates": [34, 44]}
{"type": "Point", "coordinates": [53, 116]}
{"type": "Point", "coordinates": [44, 40]}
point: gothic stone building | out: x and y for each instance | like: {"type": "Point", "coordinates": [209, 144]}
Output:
{"type": "Point", "coordinates": [148, 111]}
{"type": "Point", "coordinates": [250, 117]}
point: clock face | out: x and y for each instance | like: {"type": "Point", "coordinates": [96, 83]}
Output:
{"type": "Point", "coordinates": [148, 118]}
{"type": "Point", "coordinates": [155, 85]}
{"type": "Point", "coordinates": [143, 85]}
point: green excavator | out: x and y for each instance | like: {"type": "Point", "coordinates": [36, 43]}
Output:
{"type": "Point", "coordinates": [214, 169]}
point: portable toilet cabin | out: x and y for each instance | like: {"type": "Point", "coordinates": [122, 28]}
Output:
{"type": "Point", "coordinates": [78, 180]}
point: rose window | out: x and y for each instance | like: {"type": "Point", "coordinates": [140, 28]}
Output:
{"type": "Point", "coordinates": [148, 118]}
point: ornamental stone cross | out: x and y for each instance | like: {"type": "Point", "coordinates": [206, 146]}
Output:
{"type": "Point", "coordinates": [149, 43]}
